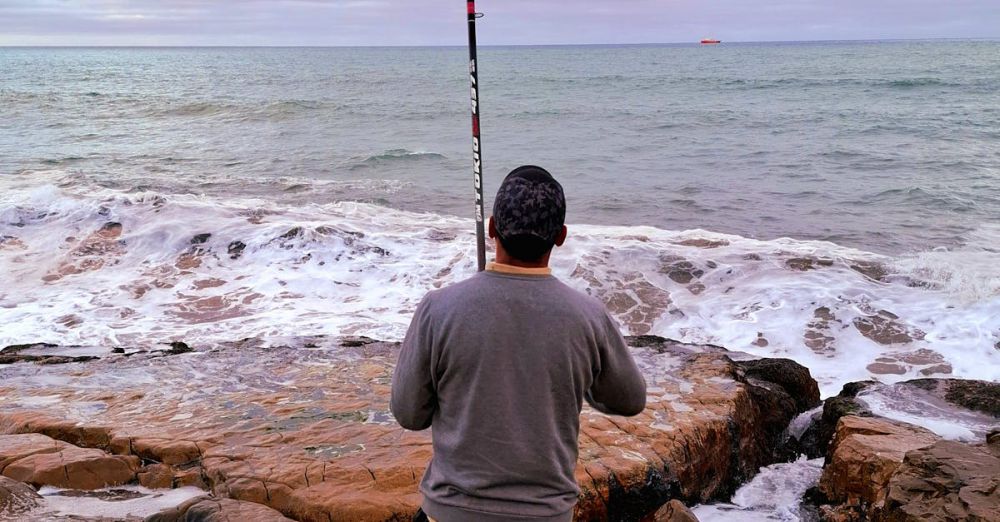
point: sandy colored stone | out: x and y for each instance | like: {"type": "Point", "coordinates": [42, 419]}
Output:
{"type": "Point", "coordinates": [156, 476]}
{"type": "Point", "coordinates": [864, 454]}
{"type": "Point", "coordinates": [170, 452]}
{"type": "Point", "coordinates": [15, 447]}
{"type": "Point", "coordinates": [74, 468]}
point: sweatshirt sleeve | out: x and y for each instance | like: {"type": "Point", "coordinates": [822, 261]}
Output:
{"type": "Point", "coordinates": [413, 398]}
{"type": "Point", "coordinates": [618, 388]}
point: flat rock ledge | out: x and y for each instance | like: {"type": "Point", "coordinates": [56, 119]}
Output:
{"type": "Point", "coordinates": [302, 426]}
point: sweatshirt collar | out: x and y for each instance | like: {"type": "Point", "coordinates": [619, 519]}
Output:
{"type": "Point", "coordinates": [501, 268]}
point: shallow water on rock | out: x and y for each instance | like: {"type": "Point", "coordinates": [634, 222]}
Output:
{"type": "Point", "coordinates": [915, 406]}
{"type": "Point", "coordinates": [120, 503]}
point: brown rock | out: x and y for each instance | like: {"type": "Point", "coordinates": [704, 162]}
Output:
{"type": "Point", "coordinates": [167, 451]}
{"type": "Point", "coordinates": [16, 498]}
{"type": "Point", "coordinates": [882, 368]}
{"type": "Point", "coordinates": [156, 476]}
{"type": "Point", "coordinates": [886, 329]}
{"type": "Point", "coordinates": [946, 481]}
{"type": "Point", "coordinates": [14, 447]}
{"type": "Point", "coordinates": [321, 446]}
{"type": "Point", "coordinates": [74, 468]}
{"type": "Point", "coordinates": [674, 511]}
{"type": "Point", "coordinates": [863, 457]}
{"type": "Point", "coordinates": [203, 509]}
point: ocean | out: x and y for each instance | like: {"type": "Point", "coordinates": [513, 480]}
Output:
{"type": "Point", "coordinates": [835, 202]}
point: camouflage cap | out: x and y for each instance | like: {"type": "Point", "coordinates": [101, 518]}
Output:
{"type": "Point", "coordinates": [529, 202]}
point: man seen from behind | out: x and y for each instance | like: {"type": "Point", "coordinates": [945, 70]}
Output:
{"type": "Point", "coordinates": [500, 364]}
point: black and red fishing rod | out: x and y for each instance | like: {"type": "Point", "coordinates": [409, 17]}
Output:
{"type": "Point", "coordinates": [477, 143]}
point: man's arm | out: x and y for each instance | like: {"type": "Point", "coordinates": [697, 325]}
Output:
{"type": "Point", "coordinates": [618, 388]}
{"type": "Point", "coordinates": [413, 398]}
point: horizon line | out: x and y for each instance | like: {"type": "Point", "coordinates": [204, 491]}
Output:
{"type": "Point", "coordinates": [410, 46]}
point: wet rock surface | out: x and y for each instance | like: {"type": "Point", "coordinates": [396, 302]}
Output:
{"type": "Point", "coordinates": [16, 498]}
{"type": "Point", "coordinates": [35, 353]}
{"type": "Point", "coordinates": [982, 396]}
{"type": "Point", "coordinates": [864, 455]}
{"type": "Point", "coordinates": [889, 471]}
{"type": "Point", "coordinates": [674, 511]}
{"type": "Point", "coordinates": [302, 426]}
{"type": "Point", "coordinates": [946, 481]}
{"type": "Point", "coordinates": [815, 440]}
{"type": "Point", "coordinates": [218, 510]}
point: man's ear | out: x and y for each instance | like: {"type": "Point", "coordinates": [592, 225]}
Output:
{"type": "Point", "coordinates": [492, 229]}
{"type": "Point", "coordinates": [561, 238]}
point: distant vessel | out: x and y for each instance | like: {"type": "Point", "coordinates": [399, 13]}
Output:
{"type": "Point", "coordinates": [710, 41]}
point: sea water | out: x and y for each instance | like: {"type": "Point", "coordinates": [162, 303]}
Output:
{"type": "Point", "coordinates": [837, 203]}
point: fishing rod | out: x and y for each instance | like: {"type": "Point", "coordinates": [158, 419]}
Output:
{"type": "Point", "coordinates": [477, 146]}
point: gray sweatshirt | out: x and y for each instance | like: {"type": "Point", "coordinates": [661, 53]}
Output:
{"type": "Point", "coordinates": [500, 365]}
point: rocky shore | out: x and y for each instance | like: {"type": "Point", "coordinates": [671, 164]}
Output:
{"type": "Point", "coordinates": [299, 429]}
{"type": "Point", "coordinates": [882, 469]}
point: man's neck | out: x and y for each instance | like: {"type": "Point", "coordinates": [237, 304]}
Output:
{"type": "Point", "coordinates": [505, 259]}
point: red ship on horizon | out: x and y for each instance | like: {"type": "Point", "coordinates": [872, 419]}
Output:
{"type": "Point", "coordinates": [710, 41]}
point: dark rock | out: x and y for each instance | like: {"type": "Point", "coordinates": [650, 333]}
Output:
{"type": "Point", "coordinates": [178, 347]}
{"type": "Point", "coordinates": [803, 264]}
{"type": "Point", "coordinates": [118, 350]}
{"type": "Point", "coordinates": [16, 498]}
{"type": "Point", "coordinates": [112, 227]}
{"type": "Point", "coordinates": [674, 511]}
{"type": "Point", "coordinates": [946, 481]}
{"type": "Point", "coordinates": [293, 233]}
{"type": "Point", "coordinates": [354, 342]}
{"type": "Point", "coordinates": [200, 239]}
{"type": "Point", "coordinates": [63, 359]}
{"type": "Point", "coordinates": [236, 249]}
{"type": "Point", "coordinates": [794, 378]}
{"type": "Point", "coordinates": [644, 341]}
{"type": "Point", "coordinates": [12, 354]}
{"type": "Point", "coordinates": [815, 441]}
{"type": "Point", "coordinates": [982, 396]}
{"type": "Point", "coordinates": [18, 348]}
{"type": "Point", "coordinates": [871, 270]}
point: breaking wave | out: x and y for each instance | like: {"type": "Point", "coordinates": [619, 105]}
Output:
{"type": "Point", "coordinates": [102, 267]}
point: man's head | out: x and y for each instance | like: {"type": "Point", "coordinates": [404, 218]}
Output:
{"type": "Point", "coordinates": [529, 213]}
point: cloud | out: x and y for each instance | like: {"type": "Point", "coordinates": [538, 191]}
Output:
{"type": "Point", "coordinates": [434, 22]}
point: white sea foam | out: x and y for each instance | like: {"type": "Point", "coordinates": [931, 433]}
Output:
{"type": "Point", "coordinates": [138, 502]}
{"type": "Point", "coordinates": [915, 406]}
{"type": "Point", "coordinates": [358, 269]}
{"type": "Point", "coordinates": [774, 494]}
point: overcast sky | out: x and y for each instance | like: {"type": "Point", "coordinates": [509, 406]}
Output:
{"type": "Point", "coordinates": [441, 22]}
